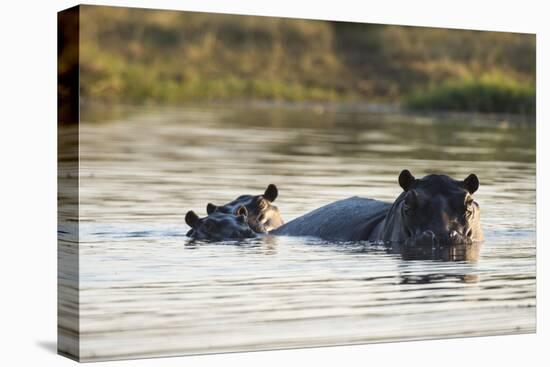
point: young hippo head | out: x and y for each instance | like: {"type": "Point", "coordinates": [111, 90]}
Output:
{"type": "Point", "coordinates": [219, 226]}
{"type": "Point", "coordinates": [438, 210]}
{"type": "Point", "coordinates": [263, 216]}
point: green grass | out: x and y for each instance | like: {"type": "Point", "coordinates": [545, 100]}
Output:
{"type": "Point", "coordinates": [496, 94]}
{"type": "Point", "coordinates": [149, 56]}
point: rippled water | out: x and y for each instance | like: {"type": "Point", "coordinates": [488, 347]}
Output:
{"type": "Point", "coordinates": [145, 290]}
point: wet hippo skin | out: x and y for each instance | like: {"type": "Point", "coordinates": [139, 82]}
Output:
{"type": "Point", "coordinates": [219, 226]}
{"type": "Point", "coordinates": [433, 210]}
{"type": "Point", "coordinates": [262, 216]}
{"type": "Point", "coordinates": [351, 219]}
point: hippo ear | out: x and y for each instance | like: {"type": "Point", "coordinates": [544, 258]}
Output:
{"type": "Point", "coordinates": [471, 183]}
{"type": "Point", "coordinates": [241, 210]}
{"type": "Point", "coordinates": [192, 219]}
{"type": "Point", "coordinates": [406, 179]}
{"type": "Point", "coordinates": [211, 208]}
{"type": "Point", "coordinates": [271, 193]}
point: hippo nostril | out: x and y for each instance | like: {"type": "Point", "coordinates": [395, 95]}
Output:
{"type": "Point", "coordinates": [429, 237]}
{"type": "Point", "coordinates": [469, 233]}
{"type": "Point", "coordinates": [453, 234]}
{"type": "Point", "coordinates": [429, 233]}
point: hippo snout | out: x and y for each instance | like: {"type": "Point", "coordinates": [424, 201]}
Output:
{"type": "Point", "coordinates": [249, 233]}
{"type": "Point", "coordinates": [457, 238]}
{"type": "Point", "coordinates": [257, 227]}
{"type": "Point", "coordinates": [429, 238]}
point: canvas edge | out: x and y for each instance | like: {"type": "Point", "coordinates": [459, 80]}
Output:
{"type": "Point", "coordinates": [68, 302]}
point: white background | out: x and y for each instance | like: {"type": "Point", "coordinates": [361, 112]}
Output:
{"type": "Point", "coordinates": [28, 181]}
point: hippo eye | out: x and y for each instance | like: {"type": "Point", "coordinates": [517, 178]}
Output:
{"type": "Point", "coordinates": [262, 204]}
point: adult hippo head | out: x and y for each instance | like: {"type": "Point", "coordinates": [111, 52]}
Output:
{"type": "Point", "coordinates": [219, 226]}
{"type": "Point", "coordinates": [262, 217]}
{"type": "Point", "coordinates": [433, 210]}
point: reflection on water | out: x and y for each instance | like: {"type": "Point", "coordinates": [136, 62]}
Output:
{"type": "Point", "coordinates": [147, 290]}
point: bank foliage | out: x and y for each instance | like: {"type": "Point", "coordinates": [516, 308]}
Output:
{"type": "Point", "coordinates": [141, 56]}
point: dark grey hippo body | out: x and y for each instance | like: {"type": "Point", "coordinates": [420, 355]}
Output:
{"type": "Point", "coordinates": [433, 210]}
{"type": "Point", "coordinates": [352, 219]}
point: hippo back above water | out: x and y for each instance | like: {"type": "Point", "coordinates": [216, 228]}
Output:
{"type": "Point", "coordinates": [351, 219]}
{"type": "Point", "coordinates": [433, 210]}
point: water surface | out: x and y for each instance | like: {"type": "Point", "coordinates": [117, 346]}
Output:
{"type": "Point", "coordinates": [146, 290]}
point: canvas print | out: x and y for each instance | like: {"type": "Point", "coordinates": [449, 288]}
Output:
{"type": "Point", "coordinates": [239, 183]}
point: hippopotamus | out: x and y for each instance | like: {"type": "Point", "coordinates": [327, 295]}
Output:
{"type": "Point", "coordinates": [220, 226]}
{"type": "Point", "coordinates": [262, 216]}
{"type": "Point", "coordinates": [433, 210]}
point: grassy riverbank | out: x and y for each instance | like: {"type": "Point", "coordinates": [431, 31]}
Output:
{"type": "Point", "coordinates": [497, 94]}
{"type": "Point", "coordinates": [144, 56]}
